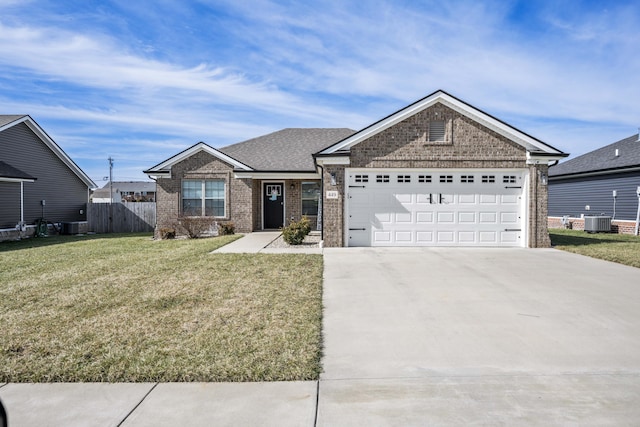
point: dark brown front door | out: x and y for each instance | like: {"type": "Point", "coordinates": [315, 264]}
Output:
{"type": "Point", "coordinates": [273, 205]}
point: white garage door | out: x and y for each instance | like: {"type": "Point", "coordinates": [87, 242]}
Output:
{"type": "Point", "coordinates": [435, 208]}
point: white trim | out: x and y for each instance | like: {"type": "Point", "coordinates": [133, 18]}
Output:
{"type": "Point", "coordinates": [441, 97]}
{"type": "Point", "coordinates": [284, 200]}
{"type": "Point", "coordinates": [277, 175]}
{"type": "Point", "coordinates": [51, 144]}
{"type": "Point", "coordinates": [532, 159]}
{"type": "Point", "coordinates": [337, 160]}
{"type": "Point", "coordinates": [164, 168]}
{"type": "Point", "coordinates": [4, 179]}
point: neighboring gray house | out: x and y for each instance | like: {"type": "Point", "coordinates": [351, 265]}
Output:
{"type": "Point", "coordinates": [438, 172]}
{"type": "Point", "coordinates": [33, 169]}
{"type": "Point", "coordinates": [126, 191]}
{"type": "Point", "coordinates": [603, 181]}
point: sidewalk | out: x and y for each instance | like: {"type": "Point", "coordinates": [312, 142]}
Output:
{"type": "Point", "coordinates": [160, 404]}
{"type": "Point", "coordinates": [257, 242]}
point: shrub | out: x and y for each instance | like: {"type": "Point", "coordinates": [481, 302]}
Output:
{"type": "Point", "coordinates": [225, 228]}
{"type": "Point", "coordinates": [295, 232]}
{"type": "Point", "coordinates": [196, 226]}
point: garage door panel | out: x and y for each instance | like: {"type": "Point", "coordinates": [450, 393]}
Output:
{"type": "Point", "coordinates": [488, 199]}
{"type": "Point", "coordinates": [509, 217]}
{"type": "Point", "coordinates": [445, 217]}
{"type": "Point", "coordinates": [424, 217]}
{"type": "Point", "coordinates": [488, 217]}
{"type": "Point", "coordinates": [462, 210]}
{"type": "Point", "coordinates": [466, 217]}
{"type": "Point", "coordinates": [466, 199]}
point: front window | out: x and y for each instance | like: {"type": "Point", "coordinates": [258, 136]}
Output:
{"type": "Point", "coordinates": [310, 197]}
{"type": "Point", "coordinates": [203, 197]}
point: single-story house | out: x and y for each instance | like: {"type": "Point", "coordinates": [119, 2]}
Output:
{"type": "Point", "coordinates": [605, 182]}
{"type": "Point", "coordinates": [125, 191]}
{"type": "Point", "coordinates": [37, 178]}
{"type": "Point", "coordinates": [437, 172]}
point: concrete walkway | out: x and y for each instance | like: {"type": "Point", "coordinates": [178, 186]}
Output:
{"type": "Point", "coordinates": [257, 242]}
{"type": "Point", "coordinates": [426, 336]}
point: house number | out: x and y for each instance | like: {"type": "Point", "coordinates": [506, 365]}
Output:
{"type": "Point", "coordinates": [332, 194]}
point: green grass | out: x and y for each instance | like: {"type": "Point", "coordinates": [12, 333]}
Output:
{"type": "Point", "coordinates": [620, 248]}
{"type": "Point", "coordinates": [127, 308]}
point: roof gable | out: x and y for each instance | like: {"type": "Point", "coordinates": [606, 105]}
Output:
{"type": "Point", "coordinates": [164, 168]}
{"type": "Point", "coordinates": [8, 121]}
{"type": "Point", "coordinates": [603, 159]}
{"type": "Point", "coordinates": [531, 144]}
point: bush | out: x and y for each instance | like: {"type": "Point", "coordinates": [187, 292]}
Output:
{"type": "Point", "coordinates": [196, 226]}
{"type": "Point", "coordinates": [226, 228]}
{"type": "Point", "coordinates": [295, 232]}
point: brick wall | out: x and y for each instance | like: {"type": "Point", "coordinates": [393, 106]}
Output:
{"type": "Point", "coordinates": [202, 165]}
{"type": "Point", "coordinates": [467, 144]}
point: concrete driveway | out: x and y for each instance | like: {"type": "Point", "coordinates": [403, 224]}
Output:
{"type": "Point", "coordinates": [453, 336]}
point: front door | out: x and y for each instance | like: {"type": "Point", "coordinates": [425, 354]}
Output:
{"type": "Point", "coordinates": [273, 205]}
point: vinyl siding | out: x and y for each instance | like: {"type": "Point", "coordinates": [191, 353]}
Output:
{"type": "Point", "coordinates": [63, 190]}
{"type": "Point", "coordinates": [570, 196]}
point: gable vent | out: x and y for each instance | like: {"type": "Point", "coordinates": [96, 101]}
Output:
{"type": "Point", "coordinates": [436, 130]}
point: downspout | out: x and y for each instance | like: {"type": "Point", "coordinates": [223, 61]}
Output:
{"type": "Point", "coordinates": [21, 202]}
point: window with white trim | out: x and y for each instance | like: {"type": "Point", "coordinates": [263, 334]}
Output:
{"type": "Point", "coordinates": [310, 197]}
{"type": "Point", "coordinates": [203, 197]}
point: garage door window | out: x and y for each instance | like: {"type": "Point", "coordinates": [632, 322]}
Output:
{"type": "Point", "coordinates": [446, 178]}
{"type": "Point", "coordinates": [487, 179]}
{"type": "Point", "coordinates": [466, 179]}
{"type": "Point", "coordinates": [382, 178]}
{"type": "Point", "coordinates": [404, 178]}
{"type": "Point", "coordinates": [362, 178]}
{"type": "Point", "coordinates": [509, 179]}
{"type": "Point", "coordinates": [424, 178]}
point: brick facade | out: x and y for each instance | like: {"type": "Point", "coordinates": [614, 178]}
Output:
{"type": "Point", "coordinates": [467, 144]}
{"type": "Point", "coordinates": [204, 166]}
{"type": "Point", "coordinates": [243, 196]}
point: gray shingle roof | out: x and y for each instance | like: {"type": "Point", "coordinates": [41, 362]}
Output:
{"type": "Point", "coordinates": [288, 149]}
{"type": "Point", "coordinates": [5, 119]}
{"type": "Point", "coordinates": [8, 171]}
{"type": "Point", "coordinates": [602, 159]}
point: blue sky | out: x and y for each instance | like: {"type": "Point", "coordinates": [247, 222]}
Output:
{"type": "Point", "coordinates": [142, 80]}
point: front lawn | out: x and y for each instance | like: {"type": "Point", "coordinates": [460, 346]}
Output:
{"type": "Point", "coordinates": [127, 308]}
{"type": "Point", "coordinates": [620, 248]}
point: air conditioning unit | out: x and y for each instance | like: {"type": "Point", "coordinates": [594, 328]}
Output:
{"type": "Point", "coordinates": [70, 228]}
{"type": "Point", "coordinates": [597, 224]}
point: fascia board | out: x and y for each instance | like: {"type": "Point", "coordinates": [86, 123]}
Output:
{"type": "Point", "coordinates": [337, 160]}
{"type": "Point", "coordinates": [533, 159]}
{"type": "Point", "coordinates": [6, 179]}
{"type": "Point", "coordinates": [51, 144]}
{"type": "Point", "coordinates": [594, 173]}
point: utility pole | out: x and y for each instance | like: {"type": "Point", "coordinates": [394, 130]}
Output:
{"type": "Point", "coordinates": [110, 179]}
{"type": "Point", "coordinates": [110, 194]}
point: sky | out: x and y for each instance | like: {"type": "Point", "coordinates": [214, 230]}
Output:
{"type": "Point", "coordinates": [140, 81]}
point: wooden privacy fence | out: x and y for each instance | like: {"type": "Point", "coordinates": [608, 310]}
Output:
{"type": "Point", "coordinates": [121, 217]}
